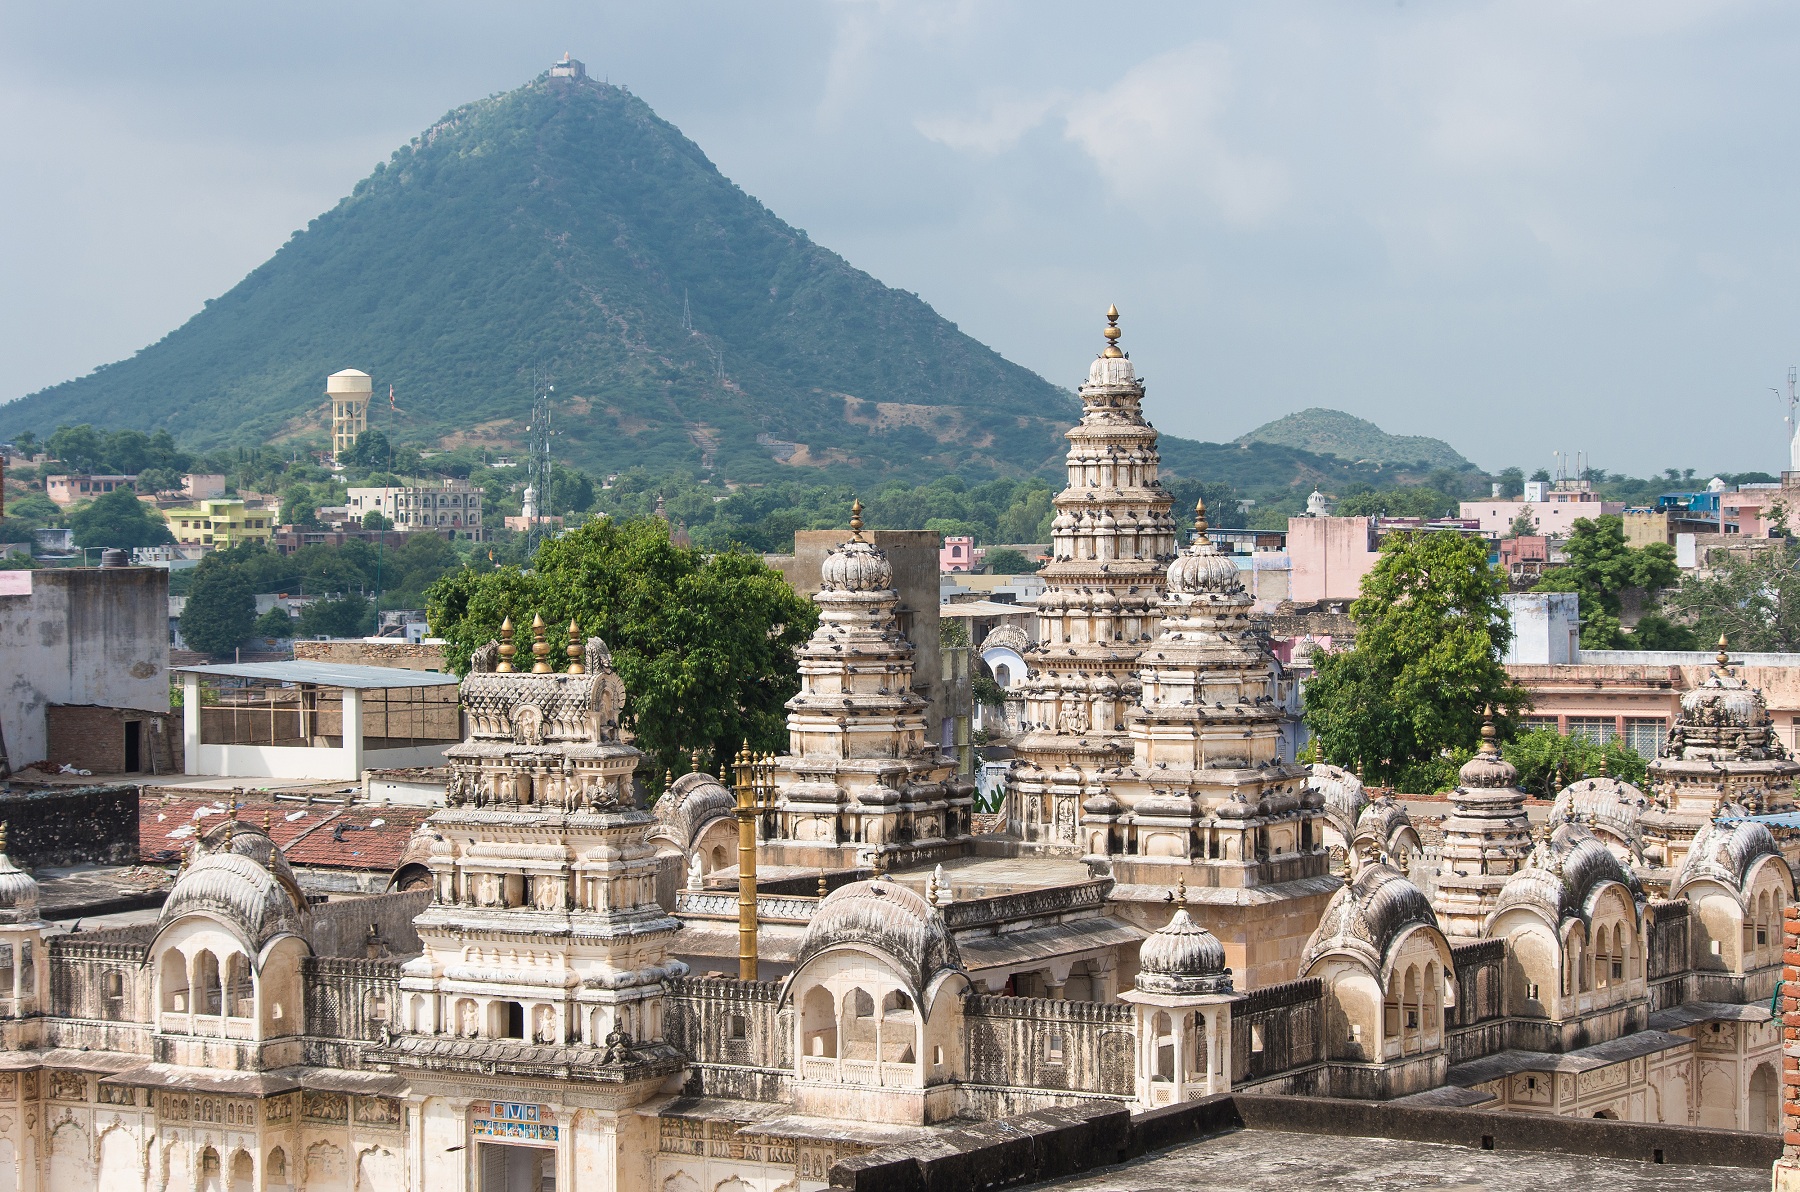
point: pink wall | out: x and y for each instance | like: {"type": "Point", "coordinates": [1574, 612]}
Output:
{"type": "Point", "coordinates": [1554, 518]}
{"type": "Point", "coordinates": [1329, 557]}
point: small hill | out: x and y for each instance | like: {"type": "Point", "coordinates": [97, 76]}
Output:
{"type": "Point", "coordinates": [564, 226]}
{"type": "Point", "coordinates": [1347, 437]}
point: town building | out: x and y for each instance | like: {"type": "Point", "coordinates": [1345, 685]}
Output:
{"type": "Point", "coordinates": [1552, 508]}
{"type": "Point", "coordinates": [1328, 557]}
{"type": "Point", "coordinates": [348, 393]}
{"type": "Point", "coordinates": [203, 486]}
{"type": "Point", "coordinates": [73, 489]}
{"type": "Point", "coordinates": [449, 506]}
{"type": "Point", "coordinates": [959, 553]}
{"type": "Point", "coordinates": [221, 524]}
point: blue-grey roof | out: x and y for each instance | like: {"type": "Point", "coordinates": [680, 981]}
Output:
{"type": "Point", "coordinates": [1778, 819]}
{"type": "Point", "coordinates": [325, 674]}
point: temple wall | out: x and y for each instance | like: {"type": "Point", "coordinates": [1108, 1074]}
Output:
{"type": "Point", "coordinates": [1276, 1029]}
{"type": "Point", "coordinates": [739, 1039]}
{"type": "Point", "coordinates": [1062, 1046]}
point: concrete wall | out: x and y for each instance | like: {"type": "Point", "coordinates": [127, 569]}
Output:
{"type": "Point", "coordinates": [404, 655]}
{"type": "Point", "coordinates": [1328, 557]}
{"type": "Point", "coordinates": [1546, 628]}
{"type": "Point", "coordinates": [914, 555]}
{"type": "Point", "coordinates": [79, 635]}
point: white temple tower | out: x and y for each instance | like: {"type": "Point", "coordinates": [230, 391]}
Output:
{"type": "Point", "coordinates": [861, 779]}
{"type": "Point", "coordinates": [1487, 839]}
{"type": "Point", "coordinates": [1111, 538]}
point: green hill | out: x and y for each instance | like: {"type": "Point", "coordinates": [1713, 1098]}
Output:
{"type": "Point", "coordinates": [565, 226]}
{"type": "Point", "coordinates": [1347, 437]}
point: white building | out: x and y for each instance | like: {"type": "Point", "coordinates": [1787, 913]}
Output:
{"type": "Point", "coordinates": [447, 505]}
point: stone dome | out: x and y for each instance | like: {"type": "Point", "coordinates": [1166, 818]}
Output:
{"type": "Point", "coordinates": [1725, 852]}
{"type": "Point", "coordinates": [691, 803]}
{"type": "Point", "coordinates": [1367, 917]}
{"type": "Point", "coordinates": [1343, 792]}
{"type": "Point", "coordinates": [857, 566]}
{"type": "Point", "coordinates": [1111, 371]}
{"type": "Point", "coordinates": [888, 918]}
{"type": "Point", "coordinates": [235, 888]}
{"type": "Point", "coordinates": [1202, 569]}
{"type": "Point", "coordinates": [18, 892]}
{"type": "Point", "coordinates": [1182, 958]}
{"type": "Point", "coordinates": [1602, 803]}
{"type": "Point", "coordinates": [1563, 874]}
{"type": "Point", "coordinates": [1487, 770]}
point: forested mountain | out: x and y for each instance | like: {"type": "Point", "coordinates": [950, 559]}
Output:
{"type": "Point", "coordinates": [565, 229]}
{"type": "Point", "coordinates": [1356, 440]}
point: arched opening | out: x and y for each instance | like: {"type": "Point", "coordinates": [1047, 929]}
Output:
{"type": "Point", "coordinates": [243, 1172]}
{"type": "Point", "coordinates": [211, 1170]}
{"type": "Point", "coordinates": [818, 1023]}
{"type": "Point", "coordinates": [276, 1167]}
{"type": "Point", "coordinates": [719, 856]}
{"type": "Point", "coordinates": [1606, 1114]}
{"type": "Point", "coordinates": [1433, 1033]}
{"type": "Point", "coordinates": [1390, 1011]}
{"type": "Point", "coordinates": [859, 1034]}
{"type": "Point", "coordinates": [174, 982]}
{"type": "Point", "coordinates": [1162, 1041]}
{"type": "Point", "coordinates": [1602, 959]}
{"type": "Point", "coordinates": [208, 992]}
{"type": "Point", "coordinates": [1410, 1025]}
{"type": "Point", "coordinates": [1765, 1100]}
{"type": "Point", "coordinates": [239, 994]}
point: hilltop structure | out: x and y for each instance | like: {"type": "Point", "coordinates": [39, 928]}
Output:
{"type": "Point", "coordinates": [348, 391]}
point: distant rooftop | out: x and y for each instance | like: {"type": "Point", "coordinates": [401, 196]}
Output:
{"type": "Point", "coordinates": [325, 674]}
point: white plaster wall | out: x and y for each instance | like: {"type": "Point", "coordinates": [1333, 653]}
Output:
{"type": "Point", "coordinates": [80, 636]}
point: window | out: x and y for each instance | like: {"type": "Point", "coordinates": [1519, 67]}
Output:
{"type": "Point", "coordinates": [1531, 723]}
{"type": "Point", "coordinates": [739, 1029]}
{"type": "Point", "coordinates": [1256, 1036]}
{"type": "Point", "coordinates": [1054, 1052]}
{"type": "Point", "coordinates": [1598, 729]}
{"type": "Point", "coordinates": [1645, 736]}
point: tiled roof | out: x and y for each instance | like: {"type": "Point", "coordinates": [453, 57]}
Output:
{"type": "Point", "coordinates": [368, 836]}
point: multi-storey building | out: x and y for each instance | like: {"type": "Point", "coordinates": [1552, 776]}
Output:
{"type": "Point", "coordinates": [220, 524]}
{"type": "Point", "coordinates": [74, 489]}
{"type": "Point", "coordinates": [449, 505]}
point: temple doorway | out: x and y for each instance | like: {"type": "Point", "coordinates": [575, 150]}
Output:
{"type": "Point", "coordinates": [516, 1168]}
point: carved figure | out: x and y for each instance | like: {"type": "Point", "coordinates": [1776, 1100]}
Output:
{"type": "Point", "coordinates": [485, 658]}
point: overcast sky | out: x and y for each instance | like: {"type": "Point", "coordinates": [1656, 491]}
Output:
{"type": "Point", "coordinates": [1521, 227]}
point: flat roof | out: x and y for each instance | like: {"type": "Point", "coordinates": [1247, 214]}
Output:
{"type": "Point", "coordinates": [325, 674]}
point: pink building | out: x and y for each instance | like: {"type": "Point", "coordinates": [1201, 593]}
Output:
{"type": "Point", "coordinates": [72, 490]}
{"type": "Point", "coordinates": [1328, 557]}
{"type": "Point", "coordinates": [960, 554]}
{"type": "Point", "coordinates": [1554, 510]}
{"type": "Point", "coordinates": [1748, 505]}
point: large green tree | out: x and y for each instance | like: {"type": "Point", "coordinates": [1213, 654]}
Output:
{"type": "Point", "coordinates": [703, 643]}
{"type": "Point", "coordinates": [1753, 601]}
{"type": "Point", "coordinates": [221, 606]}
{"type": "Point", "coordinates": [1430, 630]}
{"type": "Point", "coordinates": [1602, 566]}
{"type": "Point", "coordinates": [118, 519]}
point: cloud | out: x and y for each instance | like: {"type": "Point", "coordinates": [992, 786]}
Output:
{"type": "Point", "coordinates": [996, 129]}
{"type": "Point", "coordinates": [1155, 137]}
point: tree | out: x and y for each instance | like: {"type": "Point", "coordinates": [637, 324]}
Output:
{"type": "Point", "coordinates": [1753, 601]}
{"type": "Point", "coordinates": [274, 623]}
{"type": "Point", "coordinates": [25, 443]}
{"type": "Point", "coordinates": [1523, 525]}
{"type": "Point", "coordinates": [155, 480]}
{"type": "Point", "coordinates": [1430, 630]}
{"type": "Point", "coordinates": [348, 615]}
{"type": "Point", "coordinates": [703, 643]}
{"type": "Point", "coordinates": [374, 519]}
{"type": "Point", "coordinates": [80, 447]}
{"type": "Point", "coordinates": [1512, 483]}
{"type": "Point", "coordinates": [118, 519]}
{"type": "Point", "coordinates": [1547, 761]}
{"type": "Point", "coordinates": [1656, 632]}
{"type": "Point", "coordinates": [1006, 561]}
{"type": "Point", "coordinates": [1602, 566]}
{"type": "Point", "coordinates": [371, 450]}
{"type": "Point", "coordinates": [221, 607]}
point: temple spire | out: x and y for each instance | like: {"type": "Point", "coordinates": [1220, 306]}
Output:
{"type": "Point", "coordinates": [1112, 334]}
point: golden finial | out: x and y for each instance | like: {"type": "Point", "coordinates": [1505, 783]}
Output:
{"type": "Point", "coordinates": [574, 650]}
{"type": "Point", "coordinates": [507, 649]}
{"type": "Point", "coordinates": [856, 521]}
{"type": "Point", "coordinates": [268, 822]}
{"type": "Point", "coordinates": [1488, 733]}
{"type": "Point", "coordinates": [823, 888]}
{"type": "Point", "coordinates": [231, 811]}
{"type": "Point", "coordinates": [1724, 658]}
{"type": "Point", "coordinates": [1181, 890]}
{"type": "Point", "coordinates": [540, 649]}
{"type": "Point", "coordinates": [1200, 523]}
{"type": "Point", "coordinates": [931, 889]}
{"type": "Point", "coordinates": [1603, 765]}
{"type": "Point", "coordinates": [2, 836]}
{"type": "Point", "coordinates": [1112, 334]}
{"type": "Point", "coordinates": [668, 778]}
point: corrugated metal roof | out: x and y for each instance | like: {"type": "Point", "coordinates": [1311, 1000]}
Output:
{"type": "Point", "coordinates": [325, 674]}
{"type": "Point", "coordinates": [1778, 819]}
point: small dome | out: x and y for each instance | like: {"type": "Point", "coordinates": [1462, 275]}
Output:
{"type": "Point", "coordinates": [1726, 852]}
{"type": "Point", "coordinates": [1601, 803]}
{"type": "Point", "coordinates": [1182, 958]}
{"type": "Point", "coordinates": [1343, 792]}
{"type": "Point", "coordinates": [1562, 874]}
{"type": "Point", "coordinates": [234, 887]}
{"type": "Point", "coordinates": [18, 892]}
{"type": "Point", "coordinates": [1101, 804]}
{"type": "Point", "coordinates": [1487, 770]}
{"type": "Point", "coordinates": [889, 918]}
{"type": "Point", "coordinates": [1110, 371]}
{"type": "Point", "coordinates": [1367, 917]}
{"type": "Point", "coordinates": [857, 566]}
{"type": "Point", "coordinates": [1202, 569]}
{"type": "Point", "coordinates": [691, 803]}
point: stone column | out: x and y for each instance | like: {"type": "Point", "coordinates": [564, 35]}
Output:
{"type": "Point", "coordinates": [353, 733]}
{"type": "Point", "coordinates": [1787, 1168]}
{"type": "Point", "coordinates": [190, 723]}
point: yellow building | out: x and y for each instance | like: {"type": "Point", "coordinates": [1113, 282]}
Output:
{"type": "Point", "coordinates": [220, 524]}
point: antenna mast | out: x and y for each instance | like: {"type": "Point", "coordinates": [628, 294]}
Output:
{"type": "Point", "coordinates": [537, 466]}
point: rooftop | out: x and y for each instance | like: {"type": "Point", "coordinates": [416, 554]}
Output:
{"type": "Point", "coordinates": [325, 674]}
